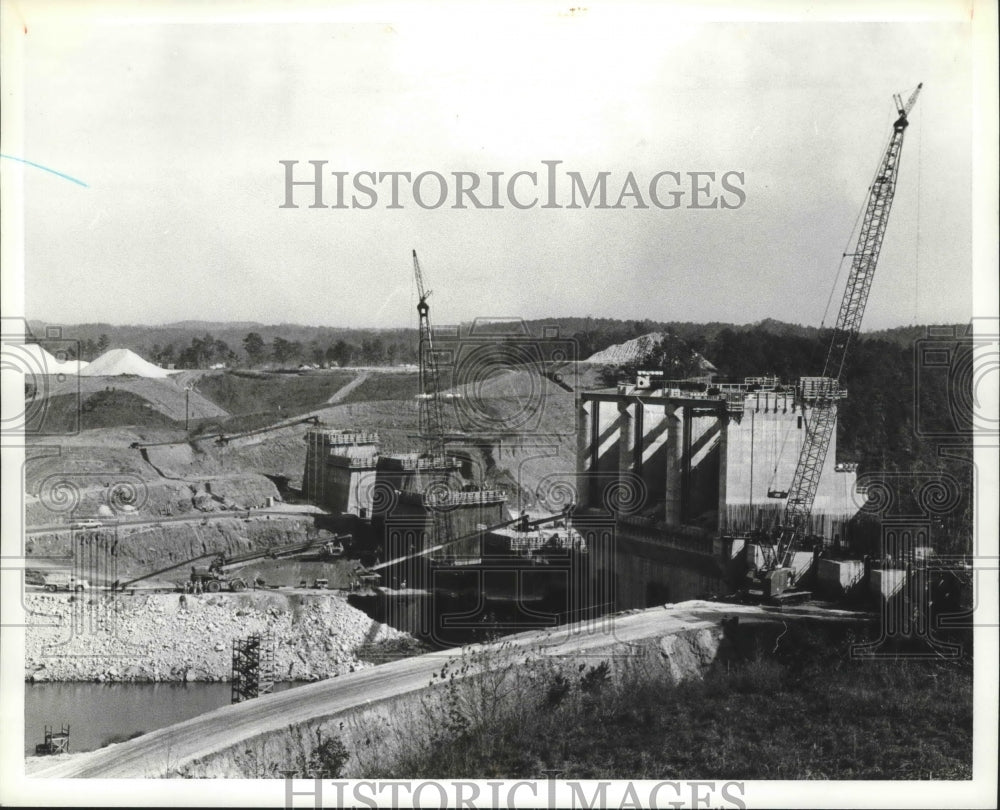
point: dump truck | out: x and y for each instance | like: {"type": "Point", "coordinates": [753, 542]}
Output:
{"type": "Point", "coordinates": [214, 578]}
{"type": "Point", "coordinates": [60, 581]}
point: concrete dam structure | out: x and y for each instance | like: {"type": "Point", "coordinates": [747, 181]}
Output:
{"type": "Point", "coordinates": [682, 473]}
{"type": "Point", "coordinates": [346, 472]}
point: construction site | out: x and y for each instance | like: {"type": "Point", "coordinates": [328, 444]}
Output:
{"type": "Point", "coordinates": [522, 493]}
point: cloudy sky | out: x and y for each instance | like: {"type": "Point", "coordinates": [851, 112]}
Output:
{"type": "Point", "coordinates": [177, 123]}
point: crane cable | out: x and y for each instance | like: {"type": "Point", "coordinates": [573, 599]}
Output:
{"type": "Point", "coordinates": [780, 453]}
{"type": "Point", "coordinates": [852, 237]}
{"type": "Point", "coordinates": [861, 212]}
{"type": "Point", "coordinates": [916, 258]}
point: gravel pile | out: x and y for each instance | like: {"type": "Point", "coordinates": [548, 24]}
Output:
{"type": "Point", "coordinates": [159, 638]}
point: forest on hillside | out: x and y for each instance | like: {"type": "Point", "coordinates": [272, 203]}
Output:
{"type": "Point", "coordinates": [198, 344]}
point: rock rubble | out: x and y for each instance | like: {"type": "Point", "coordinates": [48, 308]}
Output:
{"type": "Point", "coordinates": [158, 637]}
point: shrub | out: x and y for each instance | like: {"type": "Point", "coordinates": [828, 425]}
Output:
{"type": "Point", "coordinates": [327, 759]}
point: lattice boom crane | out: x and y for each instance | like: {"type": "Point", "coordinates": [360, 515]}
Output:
{"type": "Point", "coordinates": [431, 413]}
{"type": "Point", "coordinates": [432, 421]}
{"type": "Point", "coordinates": [823, 392]}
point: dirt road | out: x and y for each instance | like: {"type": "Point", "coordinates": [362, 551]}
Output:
{"type": "Point", "coordinates": [344, 390]}
{"type": "Point", "coordinates": [109, 526]}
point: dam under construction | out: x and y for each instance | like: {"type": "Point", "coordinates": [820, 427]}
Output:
{"type": "Point", "coordinates": [531, 543]}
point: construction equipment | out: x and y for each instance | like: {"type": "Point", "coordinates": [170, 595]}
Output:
{"type": "Point", "coordinates": [822, 393]}
{"type": "Point", "coordinates": [432, 417]}
{"type": "Point", "coordinates": [524, 524]}
{"type": "Point", "coordinates": [335, 548]}
{"type": "Point", "coordinates": [216, 577]}
{"type": "Point", "coordinates": [221, 573]}
{"type": "Point", "coordinates": [61, 581]}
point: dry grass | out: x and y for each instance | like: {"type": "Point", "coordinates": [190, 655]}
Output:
{"type": "Point", "coordinates": [273, 396]}
{"type": "Point", "coordinates": [808, 713]}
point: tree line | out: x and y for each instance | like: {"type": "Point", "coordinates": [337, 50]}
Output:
{"type": "Point", "coordinates": [255, 351]}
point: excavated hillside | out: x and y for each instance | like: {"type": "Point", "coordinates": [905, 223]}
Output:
{"type": "Point", "coordinates": [520, 424]}
{"type": "Point", "coordinates": [521, 429]}
{"type": "Point", "coordinates": [142, 549]}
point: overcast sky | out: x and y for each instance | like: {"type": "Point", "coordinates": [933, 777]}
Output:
{"type": "Point", "coordinates": [177, 130]}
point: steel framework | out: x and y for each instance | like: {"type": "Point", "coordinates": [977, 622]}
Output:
{"type": "Point", "coordinates": [824, 393]}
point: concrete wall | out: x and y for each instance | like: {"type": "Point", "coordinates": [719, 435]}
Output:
{"type": "Point", "coordinates": [702, 450]}
{"type": "Point", "coordinates": [643, 570]}
{"type": "Point", "coordinates": [335, 470]}
{"type": "Point", "coordinates": [886, 583]}
{"type": "Point", "coordinates": [605, 447]}
{"type": "Point", "coordinates": [700, 470]}
{"type": "Point", "coordinates": [838, 577]}
{"type": "Point", "coordinates": [348, 489]}
{"type": "Point", "coordinates": [762, 451]}
{"type": "Point", "coordinates": [655, 423]}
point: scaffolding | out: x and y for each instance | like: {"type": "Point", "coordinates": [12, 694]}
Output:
{"type": "Point", "coordinates": [253, 667]}
{"type": "Point", "coordinates": [56, 742]}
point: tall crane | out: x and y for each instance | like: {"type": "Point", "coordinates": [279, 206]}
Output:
{"type": "Point", "coordinates": [822, 393]}
{"type": "Point", "coordinates": [431, 412]}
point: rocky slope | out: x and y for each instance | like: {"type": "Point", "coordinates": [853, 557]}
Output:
{"type": "Point", "coordinates": [159, 638]}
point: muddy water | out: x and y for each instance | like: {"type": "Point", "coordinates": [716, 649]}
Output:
{"type": "Point", "coordinates": [98, 714]}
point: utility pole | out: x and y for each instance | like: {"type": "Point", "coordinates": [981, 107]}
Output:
{"type": "Point", "coordinates": [753, 523]}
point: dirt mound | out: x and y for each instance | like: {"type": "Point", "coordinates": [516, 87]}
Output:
{"type": "Point", "coordinates": [167, 481]}
{"type": "Point", "coordinates": [69, 413]}
{"type": "Point", "coordinates": [631, 351]}
{"type": "Point", "coordinates": [142, 549]}
{"type": "Point", "coordinates": [403, 385]}
{"type": "Point", "coordinates": [639, 350]}
{"type": "Point", "coordinates": [272, 396]}
{"type": "Point", "coordinates": [115, 362]}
